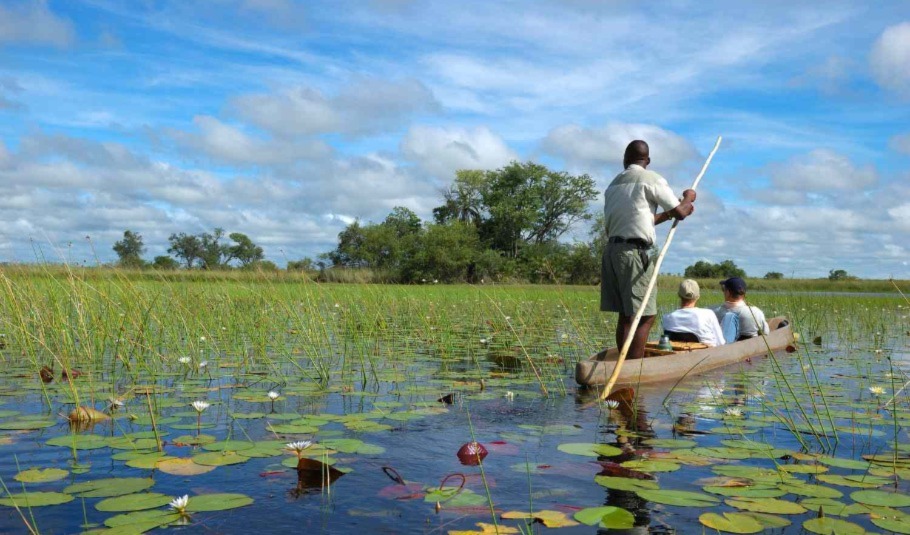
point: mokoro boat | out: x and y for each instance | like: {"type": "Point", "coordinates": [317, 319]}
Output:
{"type": "Point", "coordinates": [687, 359]}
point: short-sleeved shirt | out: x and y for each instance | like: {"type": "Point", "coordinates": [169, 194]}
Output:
{"type": "Point", "coordinates": [750, 318]}
{"type": "Point", "coordinates": [699, 321]}
{"type": "Point", "coordinates": [631, 201]}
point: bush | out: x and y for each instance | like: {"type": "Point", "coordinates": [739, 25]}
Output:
{"type": "Point", "coordinates": [774, 275]}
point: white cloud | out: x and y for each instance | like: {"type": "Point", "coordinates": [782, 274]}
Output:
{"type": "Point", "coordinates": [822, 171]}
{"type": "Point", "coordinates": [442, 151]}
{"type": "Point", "coordinates": [890, 58]}
{"type": "Point", "coordinates": [31, 21]}
{"type": "Point", "coordinates": [900, 143]}
{"type": "Point", "coordinates": [594, 147]}
{"type": "Point", "coordinates": [297, 111]}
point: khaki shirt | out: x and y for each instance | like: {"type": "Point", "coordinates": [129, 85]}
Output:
{"type": "Point", "coordinates": [631, 201]}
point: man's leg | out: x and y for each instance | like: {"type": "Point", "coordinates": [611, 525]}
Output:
{"type": "Point", "coordinates": [637, 349]}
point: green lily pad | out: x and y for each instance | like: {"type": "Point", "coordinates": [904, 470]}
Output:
{"type": "Point", "coordinates": [35, 499]}
{"type": "Point", "coordinates": [731, 522]}
{"type": "Point", "coordinates": [606, 517]}
{"type": "Point", "coordinates": [589, 449]}
{"type": "Point", "coordinates": [769, 521]}
{"type": "Point", "coordinates": [106, 488]}
{"type": "Point", "coordinates": [880, 498]}
{"type": "Point", "coordinates": [352, 445]}
{"type": "Point", "coordinates": [41, 475]}
{"type": "Point", "coordinates": [850, 464]}
{"type": "Point", "coordinates": [25, 425]}
{"type": "Point", "coordinates": [810, 491]}
{"type": "Point", "coordinates": [897, 524]}
{"type": "Point", "coordinates": [647, 465]}
{"type": "Point", "coordinates": [626, 483]}
{"type": "Point", "coordinates": [766, 505]}
{"type": "Point", "coordinates": [79, 442]}
{"type": "Point", "coordinates": [228, 445]}
{"type": "Point", "coordinates": [147, 461]}
{"type": "Point", "coordinates": [681, 498]}
{"type": "Point", "coordinates": [133, 502]}
{"type": "Point", "coordinates": [219, 458]}
{"type": "Point", "coordinates": [757, 491]}
{"type": "Point", "coordinates": [670, 443]}
{"type": "Point", "coordinates": [832, 526]}
{"type": "Point", "coordinates": [858, 481]}
{"type": "Point", "coordinates": [130, 443]}
{"type": "Point", "coordinates": [217, 502]}
{"type": "Point", "coordinates": [142, 521]}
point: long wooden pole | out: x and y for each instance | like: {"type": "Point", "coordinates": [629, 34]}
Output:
{"type": "Point", "coordinates": [660, 258]}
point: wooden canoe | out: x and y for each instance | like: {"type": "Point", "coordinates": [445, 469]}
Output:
{"type": "Point", "coordinates": [689, 360]}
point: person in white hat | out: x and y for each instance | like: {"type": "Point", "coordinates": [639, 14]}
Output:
{"type": "Point", "coordinates": [690, 321]}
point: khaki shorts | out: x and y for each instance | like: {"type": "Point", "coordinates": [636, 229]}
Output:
{"type": "Point", "coordinates": [624, 281]}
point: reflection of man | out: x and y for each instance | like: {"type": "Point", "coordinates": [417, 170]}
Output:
{"type": "Point", "coordinates": [630, 214]}
{"type": "Point", "coordinates": [738, 320]}
{"type": "Point", "coordinates": [698, 323]}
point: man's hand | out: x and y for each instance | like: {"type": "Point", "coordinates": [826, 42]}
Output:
{"type": "Point", "coordinates": [689, 195]}
{"type": "Point", "coordinates": [685, 208]}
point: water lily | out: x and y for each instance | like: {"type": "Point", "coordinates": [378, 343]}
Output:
{"type": "Point", "coordinates": [203, 364]}
{"type": "Point", "coordinates": [611, 404]}
{"type": "Point", "coordinates": [202, 338]}
{"type": "Point", "coordinates": [179, 503]}
{"type": "Point", "coordinates": [509, 395]}
{"type": "Point", "coordinates": [200, 405]}
{"type": "Point", "coordinates": [733, 412]}
{"type": "Point", "coordinates": [300, 446]}
{"type": "Point", "coordinates": [184, 360]}
{"type": "Point", "coordinates": [483, 340]}
{"type": "Point", "coordinates": [273, 395]}
{"type": "Point", "coordinates": [116, 403]}
{"type": "Point", "coordinates": [876, 390]}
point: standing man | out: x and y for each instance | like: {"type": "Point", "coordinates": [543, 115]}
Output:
{"type": "Point", "coordinates": [630, 214]}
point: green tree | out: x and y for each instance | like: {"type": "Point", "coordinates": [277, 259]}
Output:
{"type": "Point", "coordinates": [304, 264]}
{"type": "Point", "coordinates": [214, 253]}
{"type": "Point", "coordinates": [463, 200]}
{"type": "Point", "coordinates": [444, 252]}
{"type": "Point", "coordinates": [244, 250]}
{"type": "Point", "coordinates": [840, 275]}
{"type": "Point", "coordinates": [774, 275]}
{"type": "Point", "coordinates": [165, 263]}
{"type": "Point", "coordinates": [130, 250]}
{"type": "Point", "coordinates": [707, 270]}
{"type": "Point", "coordinates": [186, 247]}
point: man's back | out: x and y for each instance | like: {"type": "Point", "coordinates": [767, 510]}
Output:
{"type": "Point", "coordinates": [750, 318]}
{"type": "Point", "coordinates": [630, 202]}
{"type": "Point", "coordinates": [699, 321]}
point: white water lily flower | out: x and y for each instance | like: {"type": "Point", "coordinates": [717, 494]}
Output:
{"type": "Point", "coordinates": [298, 447]}
{"type": "Point", "coordinates": [179, 503]}
{"type": "Point", "coordinates": [115, 402]}
{"type": "Point", "coordinates": [509, 395]}
{"type": "Point", "coordinates": [483, 340]}
{"type": "Point", "coordinates": [611, 404]}
{"type": "Point", "coordinates": [876, 390]}
{"type": "Point", "coordinates": [203, 364]}
{"type": "Point", "coordinates": [202, 338]}
{"type": "Point", "coordinates": [200, 405]}
{"type": "Point", "coordinates": [273, 395]}
{"type": "Point", "coordinates": [184, 360]}
{"type": "Point", "coordinates": [734, 412]}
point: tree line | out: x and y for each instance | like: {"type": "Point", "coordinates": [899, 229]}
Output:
{"type": "Point", "coordinates": [503, 225]}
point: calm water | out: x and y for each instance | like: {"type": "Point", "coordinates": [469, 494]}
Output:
{"type": "Point", "coordinates": [418, 437]}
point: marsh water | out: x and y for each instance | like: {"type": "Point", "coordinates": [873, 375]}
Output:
{"type": "Point", "coordinates": [820, 423]}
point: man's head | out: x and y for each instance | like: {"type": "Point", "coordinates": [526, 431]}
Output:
{"type": "Point", "coordinates": [734, 288]}
{"type": "Point", "coordinates": [689, 292]}
{"type": "Point", "coordinates": [637, 152]}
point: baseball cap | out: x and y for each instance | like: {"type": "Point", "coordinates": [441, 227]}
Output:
{"type": "Point", "coordinates": [688, 289]}
{"type": "Point", "coordinates": [735, 284]}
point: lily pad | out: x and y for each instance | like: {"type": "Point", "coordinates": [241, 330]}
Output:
{"type": "Point", "coordinates": [880, 498]}
{"type": "Point", "coordinates": [133, 502]}
{"type": "Point", "coordinates": [550, 519]}
{"type": "Point", "coordinates": [607, 516]}
{"type": "Point", "coordinates": [35, 499]}
{"type": "Point", "coordinates": [858, 481]}
{"type": "Point", "coordinates": [141, 521]}
{"type": "Point", "coordinates": [626, 483]}
{"type": "Point", "coordinates": [79, 442]}
{"type": "Point", "coordinates": [41, 475]}
{"type": "Point", "coordinates": [832, 526]}
{"type": "Point", "coordinates": [897, 524]}
{"type": "Point", "coordinates": [681, 498]}
{"type": "Point", "coordinates": [648, 465]}
{"type": "Point", "coordinates": [670, 443]}
{"type": "Point", "coordinates": [217, 502]}
{"type": "Point", "coordinates": [228, 445]}
{"type": "Point", "coordinates": [182, 467]}
{"type": "Point", "coordinates": [589, 449]}
{"type": "Point", "coordinates": [219, 458]}
{"type": "Point", "coordinates": [766, 505]}
{"type": "Point", "coordinates": [106, 488]}
{"type": "Point", "coordinates": [731, 522]}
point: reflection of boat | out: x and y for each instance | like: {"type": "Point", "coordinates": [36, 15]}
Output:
{"type": "Point", "coordinates": [686, 359]}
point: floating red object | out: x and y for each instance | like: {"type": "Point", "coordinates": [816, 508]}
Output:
{"type": "Point", "coordinates": [472, 453]}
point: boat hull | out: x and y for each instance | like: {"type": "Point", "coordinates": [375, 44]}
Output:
{"type": "Point", "coordinates": [596, 370]}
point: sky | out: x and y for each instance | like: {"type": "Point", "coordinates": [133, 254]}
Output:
{"type": "Point", "coordinates": [288, 120]}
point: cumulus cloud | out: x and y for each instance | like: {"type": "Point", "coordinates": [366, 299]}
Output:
{"type": "Point", "coordinates": [366, 105]}
{"type": "Point", "coordinates": [32, 22]}
{"type": "Point", "coordinates": [821, 171]}
{"type": "Point", "coordinates": [890, 58]}
{"type": "Point", "coordinates": [442, 151]}
{"type": "Point", "coordinates": [594, 147]}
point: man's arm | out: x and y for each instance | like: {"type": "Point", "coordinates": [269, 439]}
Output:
{"type": "Point", "coordinates": [683, 210]}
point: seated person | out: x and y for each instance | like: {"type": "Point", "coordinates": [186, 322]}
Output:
{"type": "Point", "coordinates": [739, 320]}
{"type": "Point", "coordinates": [689, 323]}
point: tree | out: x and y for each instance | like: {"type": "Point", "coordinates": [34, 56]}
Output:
{"type": "Point", "coordinates": [244, 250]}
{"type": "Point", "coordinates": [304, 264]}
{"type": "Point", "coordinates": [463, 200]}
{"type": "Point", "coordinates": [130, 250]}
{"type": "Point", "coordinates": [445, 252]}
{"type": "Point", "coordinates": [774, 275]}
{"type": "Point", "coordinates": [186, 247]}
{"type": "Point", "coordinates": [840, 275]}
{"type": "Point", "coordinates": [707, 270]}
{"type": "Point", "coordinates": [165, 263]}
{"type": "Point", "coordinates": [214, 254]}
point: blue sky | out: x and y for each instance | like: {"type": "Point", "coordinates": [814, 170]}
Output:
{"type": "Point", "coordinates": [286, 120]}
